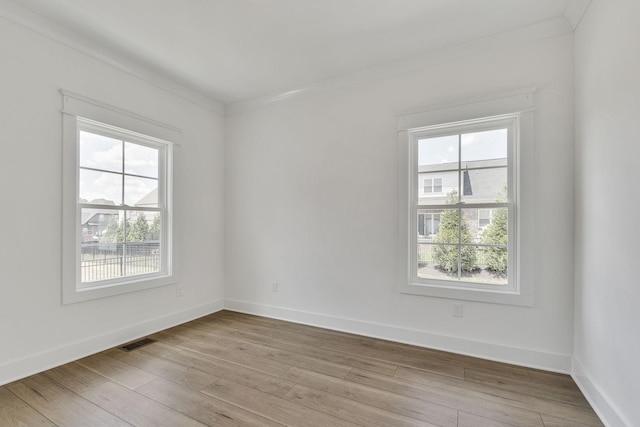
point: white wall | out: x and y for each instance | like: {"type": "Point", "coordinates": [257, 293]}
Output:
{"type": "Point", "coordinates": [607, 319]}
{"type": "Point", "coordinates": [311, 201]}
{"type": "Point", "coordinates": [36, 331]}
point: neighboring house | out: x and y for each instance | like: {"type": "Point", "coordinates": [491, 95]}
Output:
{"type": "Point", "coordinates": [150, 200]}
{"type": "Point", "coordinates": [480, 181]}
{"type": "Point", "coordinates": [95, 221]}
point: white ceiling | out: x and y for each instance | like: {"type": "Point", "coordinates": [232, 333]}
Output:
{"type": "Point", "coordinates": [236, 50]}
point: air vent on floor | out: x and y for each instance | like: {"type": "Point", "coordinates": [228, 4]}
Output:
{"type": "Point", "coordinates": [137, 344]}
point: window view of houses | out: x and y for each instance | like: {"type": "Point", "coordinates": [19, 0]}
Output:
{"type": "Point", "coordinates": [462, 214]}
{"type": "Point", "coordinates": [119, 205]}
{"type": "Point", "coordinates": [113, 246]}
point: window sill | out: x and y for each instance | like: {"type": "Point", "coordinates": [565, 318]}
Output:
{"type": "Point", "coordinates": [459, 293]}
{"type": "Point", "coordinates": [71, 296]}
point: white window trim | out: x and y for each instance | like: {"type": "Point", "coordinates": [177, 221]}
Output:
{"type": "Point", "coordinates": [511, 123]}
{"type": "Point", "coordinates": [521, 103]}
{"type": "Point", "coordinates": [75, 108]}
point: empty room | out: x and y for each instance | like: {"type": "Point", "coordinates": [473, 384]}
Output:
{"type": "Point", "coordinates": [319, 213]}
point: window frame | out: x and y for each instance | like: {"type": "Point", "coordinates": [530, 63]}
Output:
{"type": "Point", "coordinates": [509, 122]}
{"type": "Point", "coordinates": [164, 160]}
{"type": "Point", "coordinates": [518, 104]}
{"type": "Point", "coordinates": [82, 113]}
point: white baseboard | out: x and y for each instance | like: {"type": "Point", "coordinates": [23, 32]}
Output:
{"type": "Point", "coordinates": [604, 407]}
{"type": "Point", "coordinates": [500, 353]}
{"type": "Point", "coordinates": [17, 369]}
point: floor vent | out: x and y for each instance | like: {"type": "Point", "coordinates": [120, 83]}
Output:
{"type": "Point", "coordinates": [137, 344]}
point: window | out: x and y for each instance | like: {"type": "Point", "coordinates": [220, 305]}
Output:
{"type": "Point", "coordinates": [484, 218]}
{"type": "Point", "coordinates": [428, 223]}
{"type": "Point", "coordinates": [464, 243]}
{"type": "Point", "coordinates": [432, 185]}
{"type": "Point", "coordinates": [474, 155]}
{"type": "Point", "coordinates": [122, 204]}
{"type": "Point", "coordinates": [117, 202]}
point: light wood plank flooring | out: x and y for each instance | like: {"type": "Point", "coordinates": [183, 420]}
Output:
{"type": "Point", "coordinates": [232, 369]}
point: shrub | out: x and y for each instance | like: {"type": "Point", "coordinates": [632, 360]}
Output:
{"type": "Point", "coordinates": [496, 234]}
{"type": "Point", "coordinates": [446, 257]}
{"type": "Point", "coordinates": [137, 231]}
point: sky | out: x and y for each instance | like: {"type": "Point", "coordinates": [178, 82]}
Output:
{"type": "Point", "coordinates": [99, 152]}
{"type": "Point", "coordinates": [475, 146]}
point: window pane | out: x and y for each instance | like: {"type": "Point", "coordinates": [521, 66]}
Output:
{"type": "Point", "coordinates": [486, 262]}
{"type": "Point", "coordinates": [428, 223]}
{"type": "Point", "coordinates": [427, 185]}
{"type": "Point", "coordinates": [494, 232]}
{"type": "Point", "coordinates": [491, 265]}
{"type": "Point", "coordinates": [113, 248]}
{"type": "Point", "coordinates": [497, 231]}
{"type": "Point", "coordinates": [101, 225]}
{"type": "Point", "coordinates": [140, 192]}
{"type": "Point", "coordinates": [484, 185]}
{"type": "Point", "coordinates": [142, 254]}
{"type": "Point", "coordinates": [101, 249]}
{"type": "Point", "coordinates": [104, 188]}
{"type": "Point", "coordinates": [486, 145]}
{"type": "Point", "coordinates": [484, 218]}
{"type": "Point", "coordinates": [139, 226]}
{"type": "Point", "coordinates": [477, 264]}
{"type": "Point", "coordinates": [422, 220]}
{"type": "Point", "coordinates": [424, 256]}
{"type": "Point", "coordinates": [436, 223]}
{"type": "Point", "coordinates": [439, 151]}
{"type": "Point", "coordinates": [429, 258]}
{"type": "Point", "coordinates": [470, 232]}
{"type": "Point", "coordinates": [444, 261]}
{"type": "Point", "coordinates": [447, 226]}
{"type": "Point", "coordinates": [437, 185]}
{"type": "Point", "coordinates": [438, 190]}
{"type": "Point", "coordinates": [141, 160]}
{"type": "Point", "coordinates": [100, 152]}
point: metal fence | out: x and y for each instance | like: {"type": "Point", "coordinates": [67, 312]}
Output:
{"type": "Point", "coordinates": [425, 255]}
{"type": "Point", "coordinates": [103, 261]}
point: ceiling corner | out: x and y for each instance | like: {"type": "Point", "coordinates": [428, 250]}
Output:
{"type": "Point", "coordinates": [575, 11]}
{"type": "Point", "coordinates": [21, 16]}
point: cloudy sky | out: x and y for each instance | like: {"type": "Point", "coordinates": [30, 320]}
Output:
{"type": "Point", "coordinates": [104, 162]}
{"type": "Point", "coordinates": [475, 146]}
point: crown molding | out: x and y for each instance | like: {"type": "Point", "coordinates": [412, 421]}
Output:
{"type": "Point", "coordinates": [49, 29]}
{"type": "Point", "coordinates": [538, 31]}
{"type": "Point", "coordinates": [575, 11]}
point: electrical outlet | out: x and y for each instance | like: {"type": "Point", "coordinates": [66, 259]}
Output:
{"type": "Point", "coordinates": [178, 292]}
{"type": "Point", "coordinates": [457, 310]}
{"type": "Point", "coordinates": [274, 286]}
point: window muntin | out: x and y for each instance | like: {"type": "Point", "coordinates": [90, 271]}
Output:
{"type": "Point", "coordinates": [122, 205]}
{"type": "Point", "coordinates": [475, 161]}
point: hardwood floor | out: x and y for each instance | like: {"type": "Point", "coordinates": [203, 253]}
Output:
{"type": "Point", "coordinates": [232, 369]}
